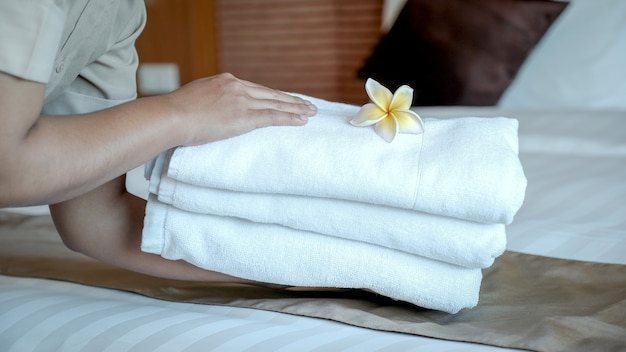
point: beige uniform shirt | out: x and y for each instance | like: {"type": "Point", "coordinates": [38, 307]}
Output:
{"type": "Point", "coordinates": [82, 50]}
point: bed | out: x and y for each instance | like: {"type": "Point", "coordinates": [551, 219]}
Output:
{"type": "Point", "coordinates": [560, 285]}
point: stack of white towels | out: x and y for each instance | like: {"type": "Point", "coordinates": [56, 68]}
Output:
{"type": "Point", "coordinates": [333, 205]}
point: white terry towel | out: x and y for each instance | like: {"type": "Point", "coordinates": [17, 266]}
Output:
{"type": "Point", "coordinates": [268, 253]}
{"type": "Point", "coordinates": [456, 241]}
{"type": "Point", "coordinates": [466, 168]}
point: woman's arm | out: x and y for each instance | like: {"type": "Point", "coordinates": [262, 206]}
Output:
{"type": "Point", "coordinates": [51, 159]}
{"type": "Point", "coordinates": [77, 163]}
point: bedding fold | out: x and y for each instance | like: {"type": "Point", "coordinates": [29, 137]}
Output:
{"type": "Point", "coordinates": [269, 253]}
{"type": "Point", "coordinates": [457, 241]}
{"type": "Point", "coordinates": [465, 168]}
{"type": "Point", "coordinates": [329, 204]}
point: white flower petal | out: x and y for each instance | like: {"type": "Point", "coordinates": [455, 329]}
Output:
{"type": "Point", "coordinates": [387, 128]}
{"type": "Point", "coordinates": [379, 94]}
{"type": "Point", "coordinates": [408, 121]}
{"type": "Point", "coordinates": [402, 98]}
{"type": "Point", "coordinates": [368, 115]}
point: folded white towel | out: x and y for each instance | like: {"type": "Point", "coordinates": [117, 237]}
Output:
{"type": "Point", "coordinates": [466, 168]}
{"type": "Point", "coordinates": [456, 241]}
{"type": "Point", "coordinates": [269, 253]}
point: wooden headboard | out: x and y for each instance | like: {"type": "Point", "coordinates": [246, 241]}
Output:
{"type": "Point", "coordinates": [313, 47]}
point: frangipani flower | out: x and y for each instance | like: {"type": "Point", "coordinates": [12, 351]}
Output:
{"type": "Point", "coordinates": [390, 113]}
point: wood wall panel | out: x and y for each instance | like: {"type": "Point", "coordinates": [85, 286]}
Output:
{"type": "Point", "coordinates": [313, 47]}
{"type": "Point", "coordinates": [182, 32]}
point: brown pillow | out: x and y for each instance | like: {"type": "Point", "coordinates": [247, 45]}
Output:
{"type": "Point", "coordinates": [459, 52]}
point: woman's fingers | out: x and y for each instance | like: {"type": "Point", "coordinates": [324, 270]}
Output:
{"type": "Point", "coordinates": [277, 108]}
{"type": "Point", "coordinates": [280, 101]}
{"type": "Point", "coordinates": [224, 106]}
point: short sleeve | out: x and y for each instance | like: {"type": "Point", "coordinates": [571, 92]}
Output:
{"type": "Point", "coordinates": [109, 76]}
{"type": "Point", "coordinates": [112, 74]}
{"type": "Point", "coordinates": [31, 34]}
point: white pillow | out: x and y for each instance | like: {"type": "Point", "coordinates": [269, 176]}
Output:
{"type": "Point", "coordinates": [579, 63]}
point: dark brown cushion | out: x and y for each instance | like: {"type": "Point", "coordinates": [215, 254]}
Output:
{"type": "Point", "coordinates": [459, 52]}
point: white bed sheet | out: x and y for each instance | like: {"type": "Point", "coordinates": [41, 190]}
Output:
{"type": "Point", "coordinates": [575, 208]}
{"type": "Point", "coordinates": [575, 163]}
{"type": "Point", "coordinates": [45, 315]}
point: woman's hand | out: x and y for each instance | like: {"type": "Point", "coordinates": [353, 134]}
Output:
{"type": "Point", "coordinates": [224, 106]}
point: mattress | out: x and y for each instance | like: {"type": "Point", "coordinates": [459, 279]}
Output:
{"type": "Point", "coordinates": [561, 285]}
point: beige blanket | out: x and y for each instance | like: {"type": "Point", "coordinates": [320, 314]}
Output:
{"type": "Point", "coordinates": [528, 302]}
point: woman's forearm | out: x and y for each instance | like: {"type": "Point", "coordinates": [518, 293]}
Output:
{"type": "Point", "coordinates": [50, 159]}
